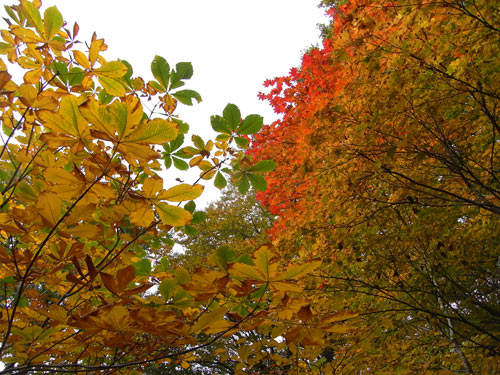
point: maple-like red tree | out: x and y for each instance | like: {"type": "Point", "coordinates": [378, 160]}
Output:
{"type": "Point", "coordinates": [387, 168]}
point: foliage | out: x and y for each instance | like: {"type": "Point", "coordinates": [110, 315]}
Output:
{"type": "Point", "coordinates": [234, 220]}
{"type": "Point", "coordinates": [85, 212]}
{"type": "Point", "coordinates": [387, 168]}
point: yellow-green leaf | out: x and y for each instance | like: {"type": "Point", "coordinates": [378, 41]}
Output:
{"type": "Point", "coordinates": [245, 271]}
{"type": "Point", "coordinates": [112, 86]}
{"type": "Point", "coordinates": [32, 13]}
{"type": "Point", "coordinates": [298, 270]}
{"type": "Point", "coordinates": [173, 215]}
{"type": "Point", "coordinates": [53, 21]}
{"type": "Point", "coordinates": [182, 192]}
{"type": "Point", "coordinates": [156, 131]}
{"type": "Point", "coordinates": [111, 69]}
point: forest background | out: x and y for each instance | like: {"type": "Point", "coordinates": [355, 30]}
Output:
{"type": "Point", "coordinates": [380, 249]}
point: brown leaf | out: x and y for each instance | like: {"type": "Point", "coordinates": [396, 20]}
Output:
{"type": "Point", "coordinates": [305, 313]}
{"type": "Point", "coordinates": [124, 277]}
{"type": "Point", "coordinates": [109, 282]}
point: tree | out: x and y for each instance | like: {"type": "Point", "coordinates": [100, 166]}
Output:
{"type": "Point", "coordinates": [387, 168]}
{"type": "Point", "coordinates": [234, 220]}
{"type": "Point", "coordinates": [85, 211]}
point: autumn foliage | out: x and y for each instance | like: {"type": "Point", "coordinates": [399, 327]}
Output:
{"type": "Point", "coordinates": [387, 168]}
{"type": "Point", "coordinates": [87, 210]}
{"type": "Point", "coordinates": [382, 176]}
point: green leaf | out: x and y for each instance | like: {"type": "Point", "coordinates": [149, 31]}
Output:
{"type": "Point", "coordinates": [226, 253]}
{"type": "Point", "coordinates": [75, 76]}
{"type": "Point", "coordinates": [198, 217]}
{"type": "Point", "coordinates": [182, 276]}
{"type": "Point", "coordinates": [181, 154]}
{"type": "Point", "coordinates": [183, 70]}
{"type": "Point", "coordinates": [104, 97]}
{"type": "Point", "coordinates": [161, 70]}
{"type": "Point", "coordinates": [251, 124]}
{"type": "Point", "coordinates": [241, 142]}
{"type": "Point", "coordinates": [177, 142]}
{"type": "Point", "coordinates": [232, 115]}
{"type": "Point", "coordinates": [167, 160]}
{"type": "Point", "coordinates": [220, 182]}
{"type": "Point", "coordinates": [246, 259]}
{"type": "Point", "coordinates": [186, 96]}
{"type": "Point", "coordinates": [53, 21]}
{"type": "Point", "coordinates": [190, 230]}
{"type": "Point", "coordinates": [142, 267]}
{"type": "Point", "coordinates": [180, 164]}
{"type": "Point", "coordinates": [128, 76]}
{"type": "Point", "coordinates": [190, 206]}
{"type": "Point", "coordinates": [263, 166]}
{"type": "Point", "coordinates": [244, 184]}
{"type": "Point", "coordinates": [220, 125]}
{"type": "Point", "coordinates": [258, 181]}
{"type": "Point", "coordinates": [167, 288]}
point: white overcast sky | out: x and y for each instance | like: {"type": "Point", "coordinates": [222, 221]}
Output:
{"type": "Point", "coordinates": [234, 45]}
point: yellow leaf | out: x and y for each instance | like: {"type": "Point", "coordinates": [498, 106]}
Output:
{"type": "Point", "coordinates": [264, 256]}
{"type": "Point", "coordinates": [57, 313]}
{"type": "Point", "coordinates": [338, 329]}
{"type": "Point", "coordinates": [116, 318]}
{"type": "Point", "coordinates": [49, 207]}
{"type": "Point", "coordinates": [152, 186]}
{"type": "Point", "coordinates": [196, 160]}
{"type": "Point", "coordinates": [85, 230]}
{"type": "Point", "coordinates": [116, 120]}
{"type": "Point", "coordinates": [173, 215]}
{"type": "Point", "coordinates": [207, 319]}
{"type": "Point", "coordinates": [339, 316]}
{"type": "Point", "coordinates": [64, 182]}
{"type": "Point", "coordinates": [69, 119]}
{"type": "Point", "coordinates": [182, 192]}
{"type": "Point", "coordinates": [96, 46]}
{"type": "Point", "coordinates": [142, 215]}
{"type": "Point", "coordinates": [81, 59]}
{"type": "Point", "coordinates": [218, 327]}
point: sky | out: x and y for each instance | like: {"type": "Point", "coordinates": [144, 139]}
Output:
{"type": "Point", "coordinates": [234, 45]}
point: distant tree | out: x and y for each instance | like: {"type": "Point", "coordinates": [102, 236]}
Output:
{"type": "Point", "coordinates": [234, 220]}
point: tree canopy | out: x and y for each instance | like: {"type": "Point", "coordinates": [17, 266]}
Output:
{"type": "Point", "coordinates": [381, 181]}
{"type": "Point", "coordinates": [387, 168]}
